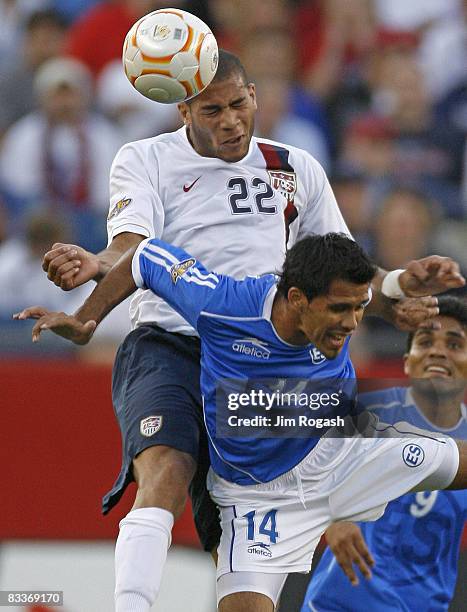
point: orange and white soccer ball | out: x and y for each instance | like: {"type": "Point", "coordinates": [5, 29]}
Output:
{"type": "Point", "coordinates": [170, 55]}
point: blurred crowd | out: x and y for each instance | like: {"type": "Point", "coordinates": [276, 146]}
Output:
{"type": "Point", "coordinates": [376, 90]}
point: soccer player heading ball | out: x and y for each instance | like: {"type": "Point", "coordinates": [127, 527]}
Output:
{"type": "Point", "coordinates": [233, 201]}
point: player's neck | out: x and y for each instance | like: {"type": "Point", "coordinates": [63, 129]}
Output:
{"type": "Point", "coordinates": [286, 322]}
{"type": "Point", "coordinates": [444, 412]}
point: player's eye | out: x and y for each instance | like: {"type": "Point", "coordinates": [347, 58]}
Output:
{"type": "Point", "coordinates": [339, 308]}
{"type": "Point", "coordinates": [210, 112]}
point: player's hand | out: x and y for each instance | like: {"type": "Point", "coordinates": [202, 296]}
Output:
{"type": "Point", "coordinates": [33, 312]}
{"type": "Point", "coordinates": [346, 541]}
{"type": "Point", "coordinates": [69, 265]}
{"type": "Point", "coordinates": [410, 313]}
{"type": "Point", "coordinates": [430, 275]}
{"type": "Point", "coordinates": [59, 323]}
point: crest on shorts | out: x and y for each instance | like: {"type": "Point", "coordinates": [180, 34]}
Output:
{"type": "Point", "coordinates": [413, 455]}
{"type": "Point", "coordinates": [178, 270]}
{"type": "Point", "coordinates": [119, 206]}
{"type": "Point", "coordinates": [150, 425]}
{"type": "Point", "coordinates": [284, 182]}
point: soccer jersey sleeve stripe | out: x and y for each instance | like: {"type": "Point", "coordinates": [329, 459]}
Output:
{"type": "Point", "coordinates": [202, 276]}
{"type": "Point", "coordinates": [163, 252]}
{"type": "Point", "coordinates": [135, 265]}
{"type": "Point", "coordinates": [175, 260]}
{"type": "Point", "coordinates": [167, 270]}
{"type": "Point", "coordinates": [192, 279]}
{"type": "Point", "coordinates": [157, 260]}
{"type": "Point", "coordinates": [167, 260]}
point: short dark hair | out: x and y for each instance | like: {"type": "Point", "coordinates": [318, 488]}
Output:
{"type": "Point", "coordinates": [449, 306]}
{"type": "Point", "coordinates": [313, 263]}
{"type": "Point", "coordinates": [228, 65]}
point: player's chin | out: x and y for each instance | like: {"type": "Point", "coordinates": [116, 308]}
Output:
{"type": "Point", "coordinates": [330, 353]}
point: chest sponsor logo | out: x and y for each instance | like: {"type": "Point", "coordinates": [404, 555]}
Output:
{"type": "Point", "coordinates": [316, 356]}
{"type": "Point", "coordinates": [251, 347]}
{"type": "Point", "coordinates": [150, 425]}
{"type": "Point", "coordinates": [284, 182]}
{"type": "Point", "coordinates": [119, 206]}
{"type": "Point", "coordinates": [413, 455]}
{"type": "Point", "coordinates": [187, 188]}
{"type": "Point", "coordinates": [260, 550]}
{"type": "Point", "coordinates": [178, 270]}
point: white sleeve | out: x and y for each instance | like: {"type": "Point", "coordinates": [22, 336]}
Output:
{"type": "Point", "coordinates": [321, 213]}
{"type": "Point", "coordinates": [135, 204]}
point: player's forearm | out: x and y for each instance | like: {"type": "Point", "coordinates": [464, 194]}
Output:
{"type": "Point", "coordinates": [380, 305]}
{"type": "Point", "coordinates": [118, 247]}
{"type": "Point", "coordinates": [115, 287]}
{"type": "Point", "coordinates": [377, 281]}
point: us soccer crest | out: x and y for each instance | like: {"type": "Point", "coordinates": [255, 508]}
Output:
{"type": "Point", "coordinates": [150, 425]}
{"type": "Point", "coordinates": [284, 182]}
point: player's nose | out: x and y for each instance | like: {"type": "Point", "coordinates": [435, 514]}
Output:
{"type": "Point", "coordinates": [437, 349]}
{"type": "Point", "coordinates": [350, 321]}
{"type": "Point", "coordinates": [230, 119]}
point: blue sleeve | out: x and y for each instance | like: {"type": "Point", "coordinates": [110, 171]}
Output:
{"type": "Point", "coordinates": [174, 275]}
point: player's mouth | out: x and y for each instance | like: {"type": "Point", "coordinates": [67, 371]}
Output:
{"type": "Point", "coordinates": [336, 339]}
{"type": "Point", "coordinates": [438, 370]}
{"type": "Point", "coordinates": [234, 142]}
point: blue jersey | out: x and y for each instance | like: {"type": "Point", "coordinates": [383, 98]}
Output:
{"type": "Point", "coordinates": [415, 543]}
{"type": "Point", "coordinates": [238, 341]}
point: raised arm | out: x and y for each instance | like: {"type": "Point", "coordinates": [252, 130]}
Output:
{"type": "Point", "coordinates": [422, 278]}
{"type": "Point", "coordinates": [404, 297]}
{"type": "Point", "coordinates": [168, 271]}
{"type": "Point", "coordinates": [69, 265]}
{"type": "Point", "coordinates": [116, 286]}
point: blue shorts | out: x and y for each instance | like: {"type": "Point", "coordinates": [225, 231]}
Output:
{"type": "Point", "coordinates": [157, 400]}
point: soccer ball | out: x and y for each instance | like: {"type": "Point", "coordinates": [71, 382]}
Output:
{"type": "Point", "coordinates": [170, 55]}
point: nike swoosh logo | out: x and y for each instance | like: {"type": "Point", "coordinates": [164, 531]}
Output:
{"type": "Point", "coordinates": [185, 188]}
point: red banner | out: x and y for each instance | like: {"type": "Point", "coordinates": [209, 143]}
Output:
{"type": "Point", "coordinates": [60, 452]}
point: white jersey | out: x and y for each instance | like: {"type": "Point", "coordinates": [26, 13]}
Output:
{"type": "Point", "coordinates": [234, 217]}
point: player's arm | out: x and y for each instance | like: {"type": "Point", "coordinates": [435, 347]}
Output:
{"type": "Point", "coordinates": [116, 286]}
{"type": "Point", "coordinates": [423, 277]}
{"type": "Point", "coordinates": [397, 295]}
{"type": "Point", "coordinates": [168, 271]}
{"type": "Point", "coordinates": [346, 541]}
{"type": "Point", "coordinates": [69, 265]}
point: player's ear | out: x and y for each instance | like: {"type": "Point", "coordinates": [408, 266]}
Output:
{"type": "Point", "coordinates": [406, 365]}
{"type": "Point", "coordinates": [184, 110]}
{"type": "Point", "coordinates": [297, 299]}
{"type": "Point", "coordinates": [252, 93]}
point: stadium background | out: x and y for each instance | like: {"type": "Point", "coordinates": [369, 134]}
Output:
{"type": "Point", "coordinates": [375, 90]}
